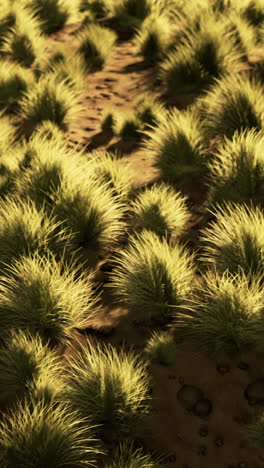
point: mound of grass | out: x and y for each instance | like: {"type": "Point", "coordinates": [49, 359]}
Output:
{"type": "Point", "coordinates": [202, 57]}
{"type": "Point", "coordinates": [234, 103]}
{"type": "Point", "coordinates": [56, 301]}
{"type": "Point", "coordinates": [235, 241]}
{"type": "Point", "coordinates": [131, 13]}
{"type": "Point", "coordinates": [110, 120]}
{"type": "Point", "coordinates": [153, 38]}
{"type": "Point", "coordinates": [110, 387]}
{"type": "Point", "coordinates": [258, 71]}
{"type": "Point", "coordinates": [253, 12]}
{"type": "Point", "coordinates": [227, 315]}
{"type": "Point", "coordinates": [47, 130]}
{"type": "Point", "coordinates": [7, 21]}
{"type": "Point", "coordinates": [14, 82]}
{"type": "Point", "coordinates": [50, 100]}
{"type": "Point", "coordinates": [129, 127]}
{"type": "Point", "coordinates": [161, 348]}
{"type": "Point", "coordinates": [98, 8]}
{"type": "Point", "coordinates": [161, 210]}
{"type": "Point", "coordinates": [242, 33]}
{"type": "Point", "coordinates": [96, 46]}
{"type": "Point", "coordinates": [23, 360]}
{"type": "Point", "coordinates": [24, 230]}
{"type": "Point", "coordinates": [237, 169]}
{"type": "Point", "coordinates": [91, 211]}
{"type": "Point", "coordinates": [126, 456]}
{"type": "Point", "coordinates": [148, 110]}
{"type": "Point", "coordinates": [152, 277]}
{"type": "Point", "coordinates": [177, 146]}
{"type": "Point", "coordinates": [254, 433]}
{"type": "Point", "coordinates": [52, 14]}
{"type": "Point", "coordinates": [44, 435]}
{"type": "Point", "coordinates": [108, 168]}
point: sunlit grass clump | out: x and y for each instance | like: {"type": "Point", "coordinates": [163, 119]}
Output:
{"type": "Point", "coordinates": [227, 315]}
{"type": "Point", "coordinates": [24, 359]}
{"type": "Point", "coordinates": [152, 277]}
{"type": "Point", "coordinates": [56, 302]}
{"type": "Point", "coordinates": [126, 456]}
{"type": "Point", "coordinates": [98, 8]}
{"type": "Point", "coordinates": [253, 12]}
{"type": "Point", "coordinates": [153, 38]}
{"type": "Point", "coordinates": [149, 110]}
{"type": "Point", "coordinates": [161, 210]}
{"type": "Point", "coordinates": [92, 211]}
{"type": "Point", "coordinates": [108, 168]}
{"type": "Point", "coordinates": [131, 13]}
{"type": "Point", "coordinates": [50, 100]}
{"type": "Point", "coordinates": [110, 120]}
{"type": "Point", "coordinates": [43, 435]}
{"type": "Point", "coordinates": [254, 433]}
{"type": "Point", "coordinates": [177, 146]}
{"type": "Point", "coordinates": [161, 348]}
{"type": "Point", "coordinates": [242, 33]}
{"type": "Point", "coordinates": [234, 103]}
{"type": "Point", "coordinates": [235, 240]}
{"type": "Point", "coordinates": [52, 14]}
{"type": "Point", "coordinates": [110, 387]}
{"type": "Point", "coordinates": [14, 82]}
{"type": "Point", "coordinates": [237, 169]}
{"type": "Point", "coordinates": [96, 46]}
{"type": "Point", "coordinates": [25, 230]}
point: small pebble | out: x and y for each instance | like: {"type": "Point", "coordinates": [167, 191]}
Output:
{"type": "Point", "coordinates": [243, 365]}
{"type": "Point", "coordinates": [202, 450]}
{"type": "Point", "coordinates": [219, 442]}
{"type": "Point", "coordinates": [223, 368]}
{"type": "Point", "coordinates": [203, 431]}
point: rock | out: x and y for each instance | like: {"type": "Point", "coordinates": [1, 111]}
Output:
{"type": "Point", "coordinates": [203, 408]}
{"type": "Point", "coordinates": [243, 365]}
{"type": "Point", "coordinates": [254, 392]}
{"type": "Point", "coordinates": [223, 368]}
{"type": "Point", "coordinates": [188, 395]}
{"type": "Point", "coordinates": [203, 431]}
{"type": "Point", "coordinates": [219, 442]}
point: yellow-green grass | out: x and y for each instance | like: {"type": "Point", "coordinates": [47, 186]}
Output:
{"type": "Point", "coordinates": [56, 300]}
{"type": "Point", "coordinates": [15, 81]}
{"type": "Point", "coordinates": [177, 146]}
{"type": "Point", "coordinates": [153, 38]}
{"type": "Point", "coordinates": [125, 455]}
{"type": "Point", "coordinates": [52, 14]}
{"type": "Point", "coordinates": [40, 434]}
{"type": "Point", "coordinates": [254, 433]}
{"type": "Point", "coordinates": [152, 277]}
{"type": "Point", "coordinates": [24, 360]}
{"type": "Point", "coordinates": [96, 46]}
{"type": "Point", "coordinates": [109, 386]}
{"type": "Point", "coordinates": [234, 103]}
{"type": "Point", "coordinates": [131, 13]}
{"type": "Point", "coordinates": [226, 315]}
{"type": "Point", "coordinates": [243, 33]}
{"type": "Point", "coordinates": [253, 12]}
{"type": "Point", "coordinates": [149, 110]}
{"type": "Point", "coordinates": [235, 240]}
{"type": "Point", "coordinates": [162, 210]}
{"type": "Point", "coordinates": [161, 348]}
{"type": "Point", "coordinates": [237, 169]}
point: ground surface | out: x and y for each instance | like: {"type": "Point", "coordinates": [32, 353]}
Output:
{"type": "Point", "coordinates": [200, 405]}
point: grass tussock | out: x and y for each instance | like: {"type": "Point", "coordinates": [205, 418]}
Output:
{"type": "Point", "coordinates": [161, 210]}
{"type": "Point", "coordinates": [110, 387]}
{"type": "Point", "coordinates": [235, 241]}
{"type": "Point", "coordinates": [177, 146]}
{"type": "Point", "coordinates": [50, 100]}
{"type": "Point", "coordinates": [153, 38]}
{"type": "Point", "coordinates": [227, 315]}
{"type": "Point", "coordinates": [24, 360]}
{"type": "Point", "coordinates": [110, 120]}
{"type": "Point", "coordinates": [148, 110]}
{"type": "Point", "coordinates": [131, 13]}
{"type": "Point", "coordinates": [152, 277]}
{"type": "Point", "coordinates": [161, 348]}
{"type": "Point", "coordinates": [44, 435]}
{"type": "Point", "coordinates": [237, 169]}
{"type": "Point", "coordinates": [14, 82]}
{"type": "Point", "coordinates": [253, 12]}
{"type": "Point", "coordinates": [96, 46]}
{"type": "Point", "coordinates": [56, 301]}
{"type": "Point", "coordinates": [51, 14]}
{"type": "Point", "coordinates": [126, 456]}
{"type": "Point", "coordinates": [226, 112]}
{"type": "Point", "coordinates": [254, 433]}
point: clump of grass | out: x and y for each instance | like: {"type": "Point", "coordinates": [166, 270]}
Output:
{"type": "Point", "coordinates": [202, 57]}
{"type": "Point", "coordinates": [44, 435]}
{"type": "Point", "coordinates": [129, 127]}
{"type": "Point", "coordinates": [148, 110]}
{"type": "Point", "coordinates": [126, 456]}
{"type": "Point", "coordinates": [242, 33]}
{"type": "Point", "coordinates": [110, 120]}
{"type": "Point", "coordinates": [25, 230]}
{"type": "Point", "coordinates": [161, 348]}
{"type": "Point", "coordinates": [227, 315]}
{"type": "Point", "coordinates": [7, 21]}
{"type": "Point", "coordinates": [70, 71]}
{"type": "Point", "coordinates": [235, 241]}
{"type": "Point", "coordinates": [253, 12]}
{"type": "Point", "coordinates": [98, 8]}
{"type": "Point", "coordinates": [47, 131]}
{"type": "Point", "coordinates": [56, 302]}
{"type": "Point", "coordinates": [237, 169]}
{"type": "Point", "coordinates": [96, 46]}
{"type": "Point", "coordinates": [234, 103]}
{"type": "Point", "coordinates": [132, 13]}
{"type": "Point", "coordinates": [152, 277]}
{"type": "Point", "coordinates": [109, 386]}
{"type": "Point", "coordinates": [108, 168]}
{"type": "Point", "coordinates": [92, 212]}
{"type": "Point", "coordinates": [23, 360]}
{"type": "Point", "coordinates": [258, 71]}
{"type": "Point", "coordinates": [254, 433]}
{"type": "Point", "coordinates": [162, 210]}
{"type": "Point", "coordinates": [153, 38]}
{"type": "Point", "coordinates": [52, 14]}
{"type": "Point", "coordinates": [177, 146]}
{"type": "Point", "coordinates": [14, 82]}
{"type": "Point", "coordinates": [50, 100]}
